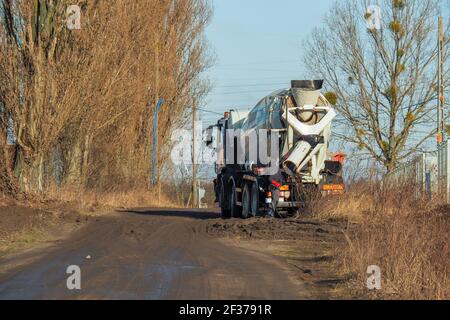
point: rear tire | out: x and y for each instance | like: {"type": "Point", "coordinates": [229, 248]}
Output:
{"type": "Point", "coordinates": [223, 202]}
{"type": "Point", "coordinates": [236, 211]}
{"type": "Point", "coordinates": [254, 200]}
{"type": "Point", "coordinates": [246, 202]}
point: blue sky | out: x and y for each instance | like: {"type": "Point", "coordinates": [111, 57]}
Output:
{"type": "Point", "coordinates": [257, 44]}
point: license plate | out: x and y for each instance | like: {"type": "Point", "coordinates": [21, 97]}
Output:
{"type": "Point", "coordinates": [333, 187]}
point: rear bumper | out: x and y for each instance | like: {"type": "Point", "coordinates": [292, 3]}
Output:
{"type": "Point", "coordinates": [288, 205]}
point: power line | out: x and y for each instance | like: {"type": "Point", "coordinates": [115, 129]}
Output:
{"type": "Point", "coordinates": [251, 85]}
{"type": "Point", "coordinates": [232, 106]}
{"type": "Point", "coordinates": [209, 111]}
{"type": "Point", "coordinates": [240, 92]}
{"type": "Point", "coordinates": [253, 69]}
{"type": "Point", "coordinates": [259, 63]}
{"type": "Point", "coordinates": [272, 78]}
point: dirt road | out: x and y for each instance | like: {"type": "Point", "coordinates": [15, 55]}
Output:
{"type": "Point", "coordinates": [150, 254]}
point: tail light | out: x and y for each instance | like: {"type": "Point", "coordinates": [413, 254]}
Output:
{"type": "Point", "coordinates": [268, 197]}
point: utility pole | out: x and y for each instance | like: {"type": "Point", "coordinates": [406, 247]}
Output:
{"type": "Point", "coordinates": [440, 85]}
{"type": "Point", "coordinates": [194, 159]}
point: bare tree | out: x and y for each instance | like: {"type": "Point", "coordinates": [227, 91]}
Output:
{"type": "Point", "coordinates": [383, 81]}
{"type": "Point", "coordinates": [80, 103]}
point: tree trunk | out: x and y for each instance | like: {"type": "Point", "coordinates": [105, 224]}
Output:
{"type": "Point", "coordinates": [74, 165]}
{"type": "Point", "coordinates": [85, 164]}
{"type": "Point", "coordinates": [41, 174]}
{"type": "Point", "coordinates": [390, 166]}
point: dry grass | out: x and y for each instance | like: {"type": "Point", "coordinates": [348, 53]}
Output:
{"type": "Point", "coordinates": [352, 206]}
{"type": "Point", "coordinates": [96, 200]}
{"type": "Point", "coordinates": [21, 240]}
{"type": "Point", "coordinates": [406, 237]}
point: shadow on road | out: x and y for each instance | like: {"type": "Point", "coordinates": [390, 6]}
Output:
{"type": "Point", "coordinates": [199, 214]}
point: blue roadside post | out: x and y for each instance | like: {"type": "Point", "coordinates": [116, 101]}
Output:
{"type": "Point", "coordinates": [155, 139]}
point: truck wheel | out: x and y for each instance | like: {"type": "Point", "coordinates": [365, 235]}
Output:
{"type": "Point", "coordinates": [236, 211]}
{"type": "Point", "coordinates": [223, 203]}
{"type": "Point", "coordinates": [246, 202]}
{"type": "Point", "coordinates": [254, 203]}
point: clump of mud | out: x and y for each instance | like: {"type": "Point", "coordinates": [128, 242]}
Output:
{"type": "Point", "coordinates": [273, 229]}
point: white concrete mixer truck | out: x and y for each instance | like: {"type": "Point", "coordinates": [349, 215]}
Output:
{"type": "Point", "coordinates": [270, 160]}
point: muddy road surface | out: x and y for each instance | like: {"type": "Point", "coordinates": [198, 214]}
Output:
{"type": "Point", "coordinates": [155, 254]}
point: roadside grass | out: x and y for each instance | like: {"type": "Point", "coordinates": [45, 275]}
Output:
{"type": "Point", "coordinates": [26, 222]}
{"type": "Point", "coordinates": [317, 268]}
{"type": "Point", "coordinates": [352, 206]}
{"type": "Point", "coordinates": [92, 201]}
{"type": "Point", "coordinates": [407, 237]}
{"type": "Point", "coordinates": [22, 240]}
